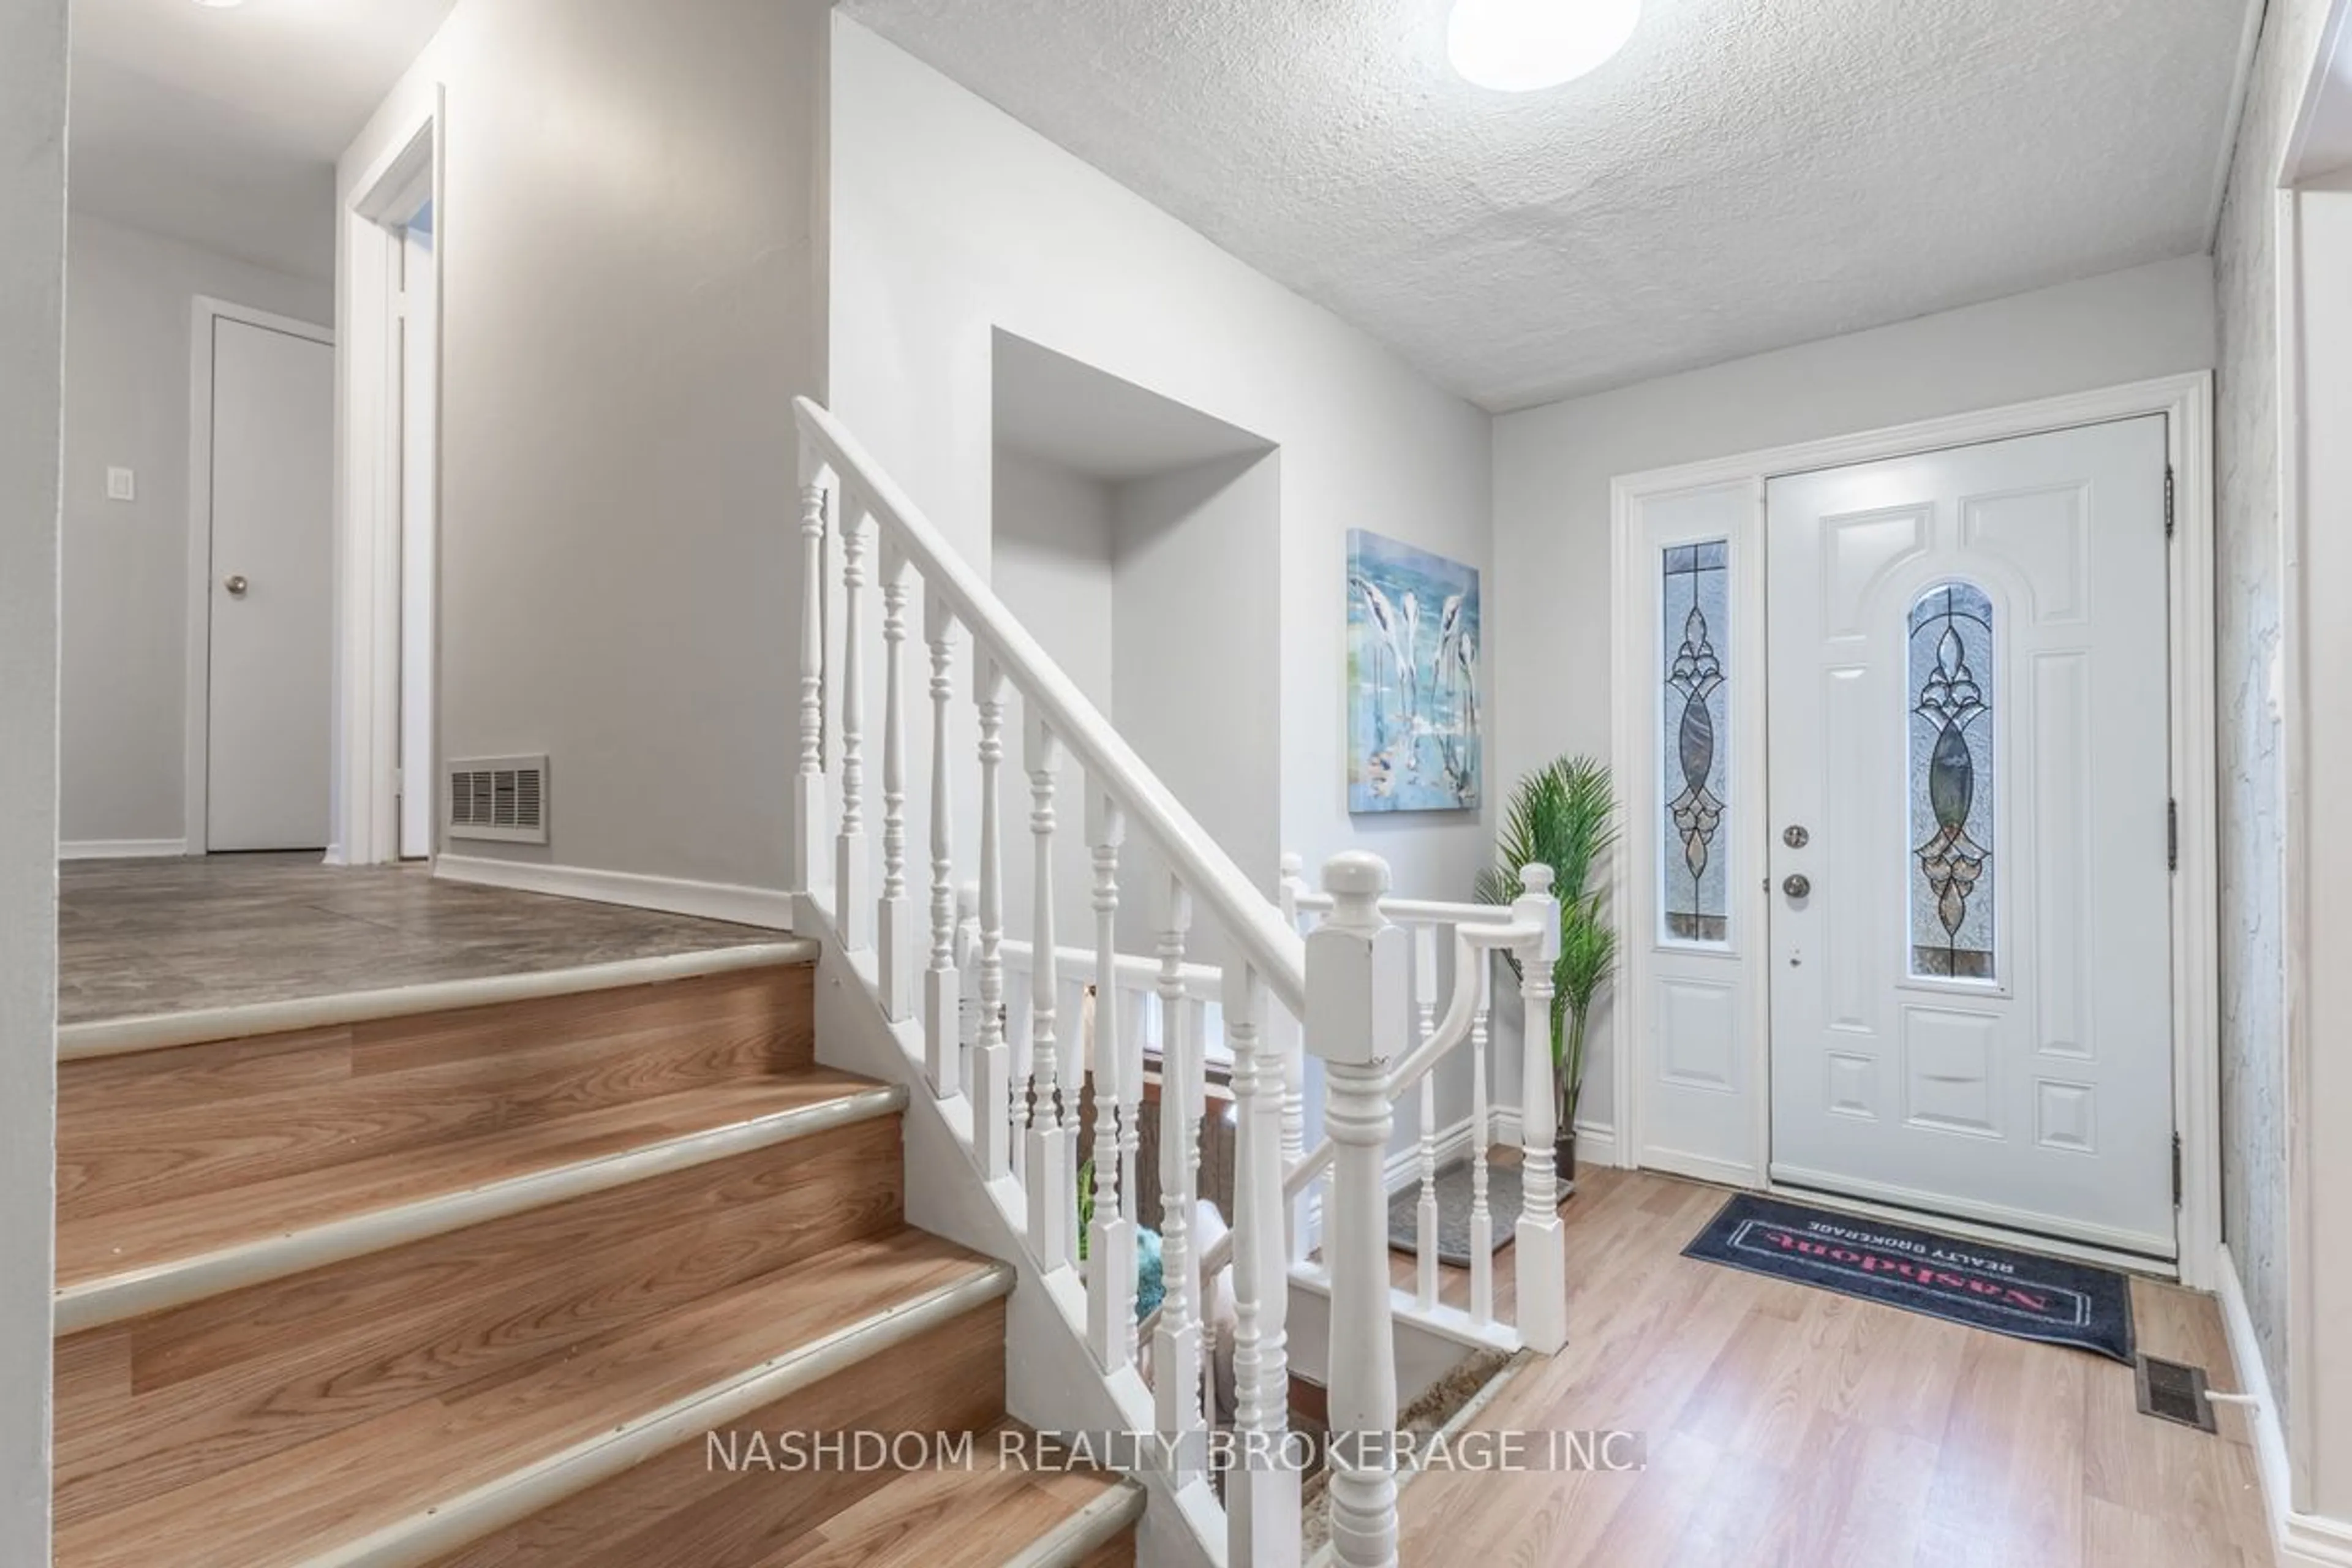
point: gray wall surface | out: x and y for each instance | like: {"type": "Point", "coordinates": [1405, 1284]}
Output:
{"type": "Point", "coordinates": [32, 284]}
{"type": "Point", "coordinates": [632, 277]}
{"type": "Point", "coordinates": [130, 303]}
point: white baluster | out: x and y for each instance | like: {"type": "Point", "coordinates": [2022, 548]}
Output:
{"type": "Point", "coordinates": [1540, 1241]}
{"type": "Point", "coordinates": [1132, 1005]}
{"type": "Point", "coordinates": [1176, 1343]}
{"type": "Point", "coordinates": [1301, 1215]}
{"type": "Point", "coordinates": [808, 781]}
{"type": "Point", "coordinates": [852, 906]}
{"type": "Point", "coordinates": [1110, 1241]}
{"type": "Point", "coordinates": [1358, 999]}
{"type": "Point", "coordinates": [1053, 1201]}
{"type": "Point", "coordinates": [1425, 1218]}
{"type": "Point", "coordinates": [993, 1083]}
{"type": "Point", "coordinates": [1482, 1220]}
{"type": "Point", "coordinates": [1020, 1017]}
{"type": "Point", "coordinates": [1262, 1495]}
{"type": "Point", "coordinates": [942, 985]}
{"type": "Point", "coordinates": [898, 955]}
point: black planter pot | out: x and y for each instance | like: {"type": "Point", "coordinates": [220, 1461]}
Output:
{"type": "Point", "coordinates": [1563, 1155]}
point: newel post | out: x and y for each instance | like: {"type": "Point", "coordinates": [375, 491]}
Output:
{"type": "Point", "coordinates": [1359, 972]}
{"type": "Point", "coordinates": [1541, 1241]}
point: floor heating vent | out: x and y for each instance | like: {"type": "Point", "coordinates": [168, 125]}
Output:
{"type": "Point", "coordinates": [2174, 1391]}
{"type": "Point", "coordinates": [500, 798]}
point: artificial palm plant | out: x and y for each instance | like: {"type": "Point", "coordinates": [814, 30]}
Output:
{"type": "Point", "coordinates": [1564, 815]}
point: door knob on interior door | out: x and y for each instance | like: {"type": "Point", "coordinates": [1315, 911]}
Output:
{"type": "Point", "coordinates": [236, 587]}
{"type": "Point", "coordinates": [1798, 886]}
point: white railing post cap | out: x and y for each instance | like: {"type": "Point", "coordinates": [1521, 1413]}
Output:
{"type": "Point", "coordinates": [1359, 969]}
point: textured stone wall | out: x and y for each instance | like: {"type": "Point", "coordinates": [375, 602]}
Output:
{"type": "Point", "coordinates": [2253, 1060]}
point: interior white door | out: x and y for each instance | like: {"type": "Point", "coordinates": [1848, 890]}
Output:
{"type": "Point", "coordinates": [269, 727]}
{"type": "Point", "coordinates": [1969, 755]}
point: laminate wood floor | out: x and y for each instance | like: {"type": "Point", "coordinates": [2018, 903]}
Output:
{"type": "Point", "coordinates": [140, 938]}
{"type": "Point", "coordinates": [1789, 1428]}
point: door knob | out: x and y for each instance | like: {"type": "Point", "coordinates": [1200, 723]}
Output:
{"type": "Point", "coordinates": [236, 587]}
{"type": "Point", "coordinates": [1798, 886]}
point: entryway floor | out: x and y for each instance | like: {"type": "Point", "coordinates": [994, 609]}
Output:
{"type": "Point", "coordinates": [1789, 1428]}
{"type": "Point", "coordinates": [141, 938]}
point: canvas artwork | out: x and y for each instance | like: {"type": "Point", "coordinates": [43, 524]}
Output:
{"type": "Point", "coordinates": [1412, 678]}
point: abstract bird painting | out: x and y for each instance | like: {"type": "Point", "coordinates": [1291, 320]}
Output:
{"type": "Point", "coordinates": [1412, 678]}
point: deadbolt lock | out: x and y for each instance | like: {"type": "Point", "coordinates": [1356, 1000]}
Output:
{"type": "Point", "coordinates": [1796, 837]}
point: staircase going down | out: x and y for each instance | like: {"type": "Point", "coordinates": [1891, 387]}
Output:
{"type": "Point", "coordinates": [477, 1287]}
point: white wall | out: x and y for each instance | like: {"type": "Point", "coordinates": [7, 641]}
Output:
{"type": "Point", "coordinates": [2323, 1148]}
{"type": "Point", "coordinates": [129, 298]}
{"type": "Point", "coordinates": [632, 278]}
{"type": "Point", "coordinates": [1548, 604]}
{"type": "Point", "coordinates": [951, 219]}
{"type": "Point", "coordinates": [1200, 627]}
{"type": "Point", "coordinates": [2254, 1089]}
{"type": "Point", "coordinates": [1053, 543]}
{"type": "Point", "coordinates": [1157, 594]}
{"type": "Point", "coordinates": [1054, 538]}
{"type": "Point", "coordinates": [32, 282]}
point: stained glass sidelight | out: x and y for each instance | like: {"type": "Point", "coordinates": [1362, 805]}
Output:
{"type": "Point", "coordinates": [1694, 737]}
{"type": "Point", "coordinates": [1951, 875]}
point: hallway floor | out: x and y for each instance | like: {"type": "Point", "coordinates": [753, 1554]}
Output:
{"type": "Point", "coordinates": [140, 938]}
{"type": "Point", "coordinates": [1788, 1428]}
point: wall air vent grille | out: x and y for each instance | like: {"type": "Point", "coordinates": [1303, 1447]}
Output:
{"type": "Point", "coordinates": [500, 798]}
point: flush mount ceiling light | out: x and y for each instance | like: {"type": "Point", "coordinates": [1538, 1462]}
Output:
{"type": "Point", "coordinates": [1523, 45]}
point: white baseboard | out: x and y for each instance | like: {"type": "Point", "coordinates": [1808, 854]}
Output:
{"type": "Point", "coordinates": [761, 907]}
{"type": "Point", "coordinates": [2303, 1539]}
{"type": "Point", "coordinates": [123, 849]}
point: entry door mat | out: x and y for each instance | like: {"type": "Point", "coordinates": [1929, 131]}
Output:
{"type": "Point", "coordinates": [1505, 1198]}
{"type": "Point", "coordinates": [2020, 1294]}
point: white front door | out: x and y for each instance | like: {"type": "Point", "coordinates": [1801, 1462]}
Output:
{"type": "Point", "coordinates": [269, 731]}
{"type": "Point", "coordinates": [1968, 748]}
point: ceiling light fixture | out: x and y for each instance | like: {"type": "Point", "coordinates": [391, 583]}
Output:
{"type": "Point", "coordinates": [220, 5]}
{"type": "Point", "coordinates": [1523, 45]}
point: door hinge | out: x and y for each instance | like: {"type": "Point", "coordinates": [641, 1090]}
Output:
{"type": "Point", "coordinates": [2167, 500]}
{"type": "Point", "coordinates": [2172, 835]}
{"type": "Point", "coordinates": [2176, 1171]}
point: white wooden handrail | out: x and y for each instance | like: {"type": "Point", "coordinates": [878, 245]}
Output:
{"type": "Point", "coordinates": [1007, 1076]}
{"type": "Point", "coordinates": [1248, 917]}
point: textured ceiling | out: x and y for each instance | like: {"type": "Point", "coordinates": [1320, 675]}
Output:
{"type": "Point", "coordinates": [1746, 175]}
{"type": "Point", "coordinates": [222, 125]}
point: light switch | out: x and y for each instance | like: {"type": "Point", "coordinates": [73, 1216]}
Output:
{"type": "Point", "coordinates": [122, 484]}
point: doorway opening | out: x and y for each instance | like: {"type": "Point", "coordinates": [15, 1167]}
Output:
{"type": "Point", "coordinates": [392, 509]}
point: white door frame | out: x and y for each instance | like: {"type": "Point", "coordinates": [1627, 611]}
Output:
{"type": "Point", "coordinates": [2186, 401]}
{"type": "Point", "coordinates": [196, 796]}
{"type": "Point", "coordinates": [368, 506]}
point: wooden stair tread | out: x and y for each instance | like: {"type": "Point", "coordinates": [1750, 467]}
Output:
{"type": "Point", "coordinates": [300, 1504]}
{"type": "Point", "coordinates": [982, 1517]}
{"type": "Point", "coordinates": [100, 1246]}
